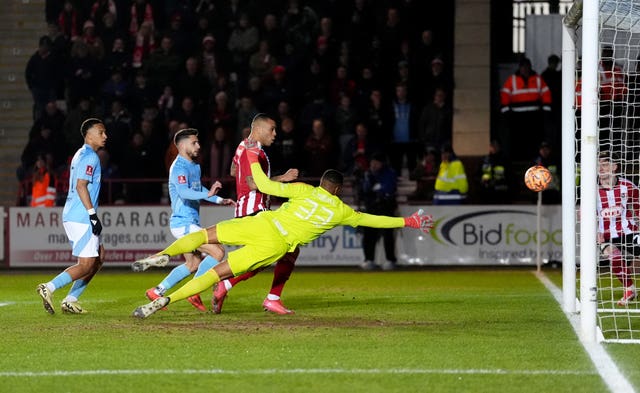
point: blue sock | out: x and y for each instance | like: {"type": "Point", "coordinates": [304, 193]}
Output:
{"type": "Point", "coordinates": [61, 280]}
{"type": "Point", "coordinates": [77, 288]}
{"type": "Point", "coordinates": [178, 274]}
{"type": "Point", "coordinates": [207, 263]}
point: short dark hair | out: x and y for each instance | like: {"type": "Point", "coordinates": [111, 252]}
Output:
{"type": "Point", "coordinates": [333, 176]}
{"type": "Point", "coordinates": [609, 155]}
{"type": "Point", "coordinates": [183, 134]}
{"type": "Point", "coordinates": [259, 117]}
{"type": "Point", "coordinates": [87, 124]}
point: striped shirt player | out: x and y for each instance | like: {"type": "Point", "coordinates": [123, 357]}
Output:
{"type": "Point", "coordinates": [249, 201]}
{"type": "Point", "coordinates": [618, 207]}
{"type": "Point", "coordinates": [80, 221]}
{"type": "Point", "coordinates": [267, 236]}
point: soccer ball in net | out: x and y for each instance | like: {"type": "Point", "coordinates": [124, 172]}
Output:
{"type": "Point", "coordinates": [537, 178]}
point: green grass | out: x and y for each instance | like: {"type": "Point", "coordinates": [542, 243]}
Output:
{"type": "Point", "coordinates": [410, 331]}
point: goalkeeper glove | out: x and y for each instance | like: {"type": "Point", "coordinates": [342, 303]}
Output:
{"type": "Point", "coordinates": [419, 220]}
{"type": "Point", "coordinates": [96, 225]}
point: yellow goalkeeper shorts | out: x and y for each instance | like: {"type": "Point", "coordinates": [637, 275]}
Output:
{"type": "Point", "coordinates": [263, 244]}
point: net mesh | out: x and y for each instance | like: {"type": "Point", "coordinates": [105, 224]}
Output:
{"type": "Point", "coordinates": [619, 145]}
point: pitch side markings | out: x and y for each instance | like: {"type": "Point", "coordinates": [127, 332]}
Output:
{"type": "Point", "coordinates": [603, 363]}
{"type": "Point", "coordinates": [2, 304]}
{"type": "Point", "coordinates": [76, 373]}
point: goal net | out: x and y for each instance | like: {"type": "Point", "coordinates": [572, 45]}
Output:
{"type": "Point", "coordinates": [605, 111]}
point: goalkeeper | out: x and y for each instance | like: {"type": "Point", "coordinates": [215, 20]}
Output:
{"type": "Point", "coordinates": [267, 236]}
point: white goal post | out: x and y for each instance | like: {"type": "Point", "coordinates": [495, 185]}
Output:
{"type": "Point", "coordinates": [598, 32]}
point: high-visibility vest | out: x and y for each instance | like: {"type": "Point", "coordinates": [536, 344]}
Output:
{"type": "Point", "coordinates": [451, 177]}
{"type": "Point", "coordinates": [519, 95]}
{"type": "Point", "coordinates": [43, 194]}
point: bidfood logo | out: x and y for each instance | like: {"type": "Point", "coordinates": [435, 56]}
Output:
{"type": "Point", "coordinates": [493, 227]}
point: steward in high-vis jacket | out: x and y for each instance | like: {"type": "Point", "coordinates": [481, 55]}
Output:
{"type": "Point", "coordinates": [525, 101]}
{"type": "Point", "coordinates": [451, 184]}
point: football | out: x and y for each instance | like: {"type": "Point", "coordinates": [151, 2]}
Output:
{"type": "Point", "coordinates": [537, 178]}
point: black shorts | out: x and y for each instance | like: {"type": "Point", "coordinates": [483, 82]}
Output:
{"type": "Point", "coordinates": [628, 244]}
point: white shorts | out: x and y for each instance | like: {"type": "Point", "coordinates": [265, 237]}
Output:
{"type": "Point", "coordinates": [83, 242]}
{"type": "Point", "coordinates": [181, 231]}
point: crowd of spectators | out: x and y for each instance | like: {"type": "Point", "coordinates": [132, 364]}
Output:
{"type": "Point", "coordinates": [343, 79]}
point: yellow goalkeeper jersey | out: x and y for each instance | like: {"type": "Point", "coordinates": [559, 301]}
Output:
{"type": "Point", "coordinates": [311, 211]}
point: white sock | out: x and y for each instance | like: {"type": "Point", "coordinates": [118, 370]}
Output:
{"type": "Point", "coordinates": [50, 286]}
{"type": "Point", "coordinates": [273, 297]}
{"type": "Point", "coordinates": [70, 299]}
{"type": "Point", "coordinates": [227, 284]}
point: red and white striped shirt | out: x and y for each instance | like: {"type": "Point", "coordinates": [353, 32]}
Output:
{"type": "Point", "coordinates": [249, 201]}
{"type": "Point", "coordinates": [618, 209]}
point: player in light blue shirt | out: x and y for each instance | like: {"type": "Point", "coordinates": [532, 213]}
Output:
{"type": "Point", "coordinates": [186, 192]}
{"type": "Point", "coordinates": [80, 221]}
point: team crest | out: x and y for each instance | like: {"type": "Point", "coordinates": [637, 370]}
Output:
{"type": "Point", "coordinates": [182, 179]}
{"type": "Point", "coordinates": [89, 170]}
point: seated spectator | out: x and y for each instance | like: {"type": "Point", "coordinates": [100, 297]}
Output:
{"type": "Point", "coordinates": [42, 76]}
{"type": "Point", "coordinates": [141, 94]}
{"type": "Point", "coordinates": [141, 12]}
{"type": "Point", "coordinates": [262, 62]}
{"type": "Point", "coordinates": [451, 185]}
{"type": "Point", "coordinates": [277, 89]}
{"type": "Point", "coordinates": [164, 64]}
{"type": "Point", "coordinates": [79, 113]}
{"type": "Point", "coordinates": [341, 86]}
{"type": "Point", "coordinates": [83, 73]}
{"type": "Point", "coordinates": [272, 33]}
{"type": "Point", "coordinates": [358, 152]}
{"type": "Point", "coordinates": [59, 44]}
{"type": "Point", "coordinates": [94, 43]}
{"type": "Point", "coordinates": [44, 143]}
{"type": "Point", "coordinates": [211, 59]}
{"type": "Point", "coordinates": [493, 176]}
{"type": "Point", "coordinates": [319, 150]}
{"type": "Point", "coordinates": [52, 118]}
{"type": "Point", "coordinates": [345, 123]}
{"type": "Point", "coordinates": [144, 44]}
{"type": "Point", "coordinates": [115, 88]}
{"type": "Point", "coordinates": [99, 9]}
{"type": "Point", "coordinates": [118, 58]}
{"type": "Point", "coordinates": [242, 43]}
{"type": "Point", "coordinates": [220, 154]}
{"type": "Point", "coordinates": [167, 103]}
{"type": "Point", "coordinates": [139, 164]}
{"type": "Point", "coordinates": [69, 21]}
{"type": "Point", "coordinates": [435, 124]}
{"type": "Point", "coordinates": [118, 126]}
{"type": "Point", "coordinates": [223, 113]}
{"type": "Point", "coordinates": [192, 83]}
{"type": "Point", "coordinates": [181, 38]}
{"type": "Point", "coordinates": [111, 192]}
{"type": "Point", "coordinates": [187, 113]}
{"type": "Point", "coordinates": [425, 176]}
{"type": "Point", "coordinates": [285, 152]}
{"type": "Point", "coordinates": [244, 115]}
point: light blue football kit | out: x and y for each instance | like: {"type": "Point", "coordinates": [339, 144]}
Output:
{"type": "Point", "coordinates": [85, 165]}
{"type": "Point", "coordinates": [186, 192]}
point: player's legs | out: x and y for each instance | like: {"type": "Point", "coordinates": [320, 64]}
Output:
{"type": "Point", "coordinates": [86, 247]}
{"type": "Point", "coordinates": [620, 269]}
{"type": "Point", "coordinates": [281, 275]}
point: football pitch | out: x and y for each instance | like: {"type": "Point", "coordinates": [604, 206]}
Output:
{"type": "Point", "coordinates": [431, 330]}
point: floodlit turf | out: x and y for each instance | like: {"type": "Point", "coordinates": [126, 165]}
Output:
{"type": "Point", "coordinates": [411, 331]}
